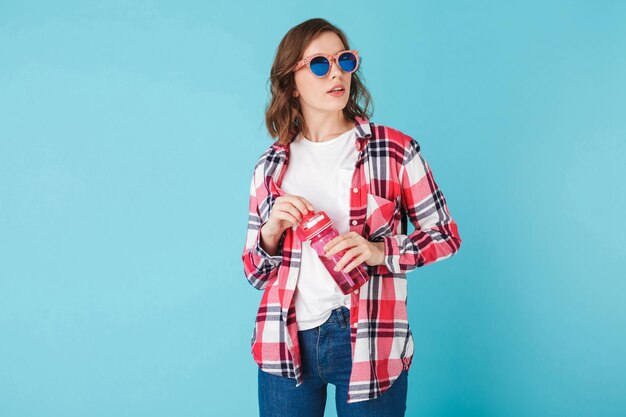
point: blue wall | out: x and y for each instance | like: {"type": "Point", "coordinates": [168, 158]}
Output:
{"type": "Point", "coordinates": [128, 135]}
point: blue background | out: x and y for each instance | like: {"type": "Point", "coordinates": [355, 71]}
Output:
{"type": "Point", "coordinates": [128, 136]}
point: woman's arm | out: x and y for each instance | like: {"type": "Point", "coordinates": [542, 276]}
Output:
{"type": "Point", "coordinates": [269, 242]}
{"type": "Point", "coordinates": [260, 265]}
{"type": "Point", "coordinates": [436, 235]}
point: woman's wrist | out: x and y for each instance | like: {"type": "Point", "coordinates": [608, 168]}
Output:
{"type": "Point", "coordinates": [269, 240]}
{"type": "Point", "coordinates": [379, 250]}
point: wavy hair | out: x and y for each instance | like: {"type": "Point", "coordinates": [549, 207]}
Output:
{"type": "Point", "coordinates": [283, 116]}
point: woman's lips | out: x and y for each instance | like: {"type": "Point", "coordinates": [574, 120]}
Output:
{"type": "Point", "coordinates": [336, 93]}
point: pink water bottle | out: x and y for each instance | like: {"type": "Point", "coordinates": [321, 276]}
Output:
{"type": "Point", "coordinates": [318, 227]}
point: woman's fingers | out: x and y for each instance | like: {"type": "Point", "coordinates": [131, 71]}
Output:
{"type": "Point", "coordinates": [290, 208]}
{"type": "Point", "coordinates": [362, 258]}
{"type": "Point", "coordinates": [301, 203]}
{"type": "Point", "coordinates": [347, 257]}
{"type": "Point", "coordinates": [342, 241]}
{"type": "Point", "coordinates": [306, 204]}
{"type": "Point", "coordinates": [289, 216]}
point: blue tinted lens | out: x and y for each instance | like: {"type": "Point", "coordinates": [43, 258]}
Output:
{"type": "Point", "coordinates": [347, 61]}
{"type": "Point", "coordinates": [319, 65]}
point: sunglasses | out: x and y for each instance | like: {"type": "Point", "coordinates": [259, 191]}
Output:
{"type": "Point", "coordinates": [319, 64]}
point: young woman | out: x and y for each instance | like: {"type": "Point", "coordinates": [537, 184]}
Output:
{"type": "Point", "coordinates": [366, 176]}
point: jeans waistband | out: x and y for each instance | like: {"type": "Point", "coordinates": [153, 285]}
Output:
{"type": "Point", "coordinates": [339, 317]}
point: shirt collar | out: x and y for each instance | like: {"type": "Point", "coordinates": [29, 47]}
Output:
{"type": "Point", "coordinates": [363, 134]}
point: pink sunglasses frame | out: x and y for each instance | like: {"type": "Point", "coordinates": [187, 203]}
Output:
{"type": "Point", "coordinates": [330, 57]}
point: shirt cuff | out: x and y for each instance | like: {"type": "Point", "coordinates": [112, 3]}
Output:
{"type": "Point", "coordinates": [262, 253]}
{"type": "Point", "coordinates": [392, 254]}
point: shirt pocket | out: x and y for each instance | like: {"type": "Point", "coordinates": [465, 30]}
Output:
{"type": "Point", "coordinates": [382, 216]}
{"type": "Point", "coordinates": [344, 186]}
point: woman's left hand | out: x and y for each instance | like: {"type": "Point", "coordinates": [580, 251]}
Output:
{"type": "Point", "coordinates": [372, 253]}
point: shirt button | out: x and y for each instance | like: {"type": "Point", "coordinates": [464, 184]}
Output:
{"type": "Point", "coordinates": [356, 324]}
{"type": "Point", "coordinates": [354, 222]}
{"type": "Point", "coordinates": [356, 291]}
{"type": "Point", "coordinates": [356, 190]}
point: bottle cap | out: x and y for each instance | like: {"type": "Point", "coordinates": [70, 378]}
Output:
{"type": "Point", "coordinates": [313, 223]}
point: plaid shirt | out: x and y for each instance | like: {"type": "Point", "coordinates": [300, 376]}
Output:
{"type": "Point", "coordinates": [390, 178]}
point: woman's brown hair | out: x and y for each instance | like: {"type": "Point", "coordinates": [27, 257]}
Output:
{"type": "Point", "coordinates": [283, 117]}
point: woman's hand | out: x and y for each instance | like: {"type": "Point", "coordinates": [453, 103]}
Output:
{"type": "Point", "coordinates": [372, 253]}
{"type": "Point", "coordinates": [286, 212]}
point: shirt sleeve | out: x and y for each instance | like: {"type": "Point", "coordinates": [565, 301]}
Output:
{"type": "Point", "coordinates": [259, 267]}
{"type": "Point", "coordinates": [436, 235]}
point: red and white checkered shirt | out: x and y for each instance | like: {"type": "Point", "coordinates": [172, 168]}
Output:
{"type": "Point", "coordinates": [390, 178]}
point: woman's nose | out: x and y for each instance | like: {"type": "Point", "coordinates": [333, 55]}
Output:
{"type": "Point", "coordinates": [334, 68]}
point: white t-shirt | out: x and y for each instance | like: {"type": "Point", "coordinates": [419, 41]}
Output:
{"type": "Point", "coordinates": [322, 173]}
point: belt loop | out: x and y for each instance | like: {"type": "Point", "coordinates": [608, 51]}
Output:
{"type": "Point", "coordinates": [343, 320]}
{"type": "Point", "coordinates": [338, 318]}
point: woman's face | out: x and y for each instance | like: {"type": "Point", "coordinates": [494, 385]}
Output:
{"type": "Point", "coordinates": [313, 91]}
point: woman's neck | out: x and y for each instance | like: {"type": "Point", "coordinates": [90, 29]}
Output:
{"type": "Point", "coordinates": [327, 131]}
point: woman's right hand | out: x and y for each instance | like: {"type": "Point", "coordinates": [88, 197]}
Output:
{"type": "Point", "coordinates": [286, 212]}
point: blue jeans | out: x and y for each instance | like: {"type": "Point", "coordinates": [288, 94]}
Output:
{"type": "Point", "coordinates": [326, 358]}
